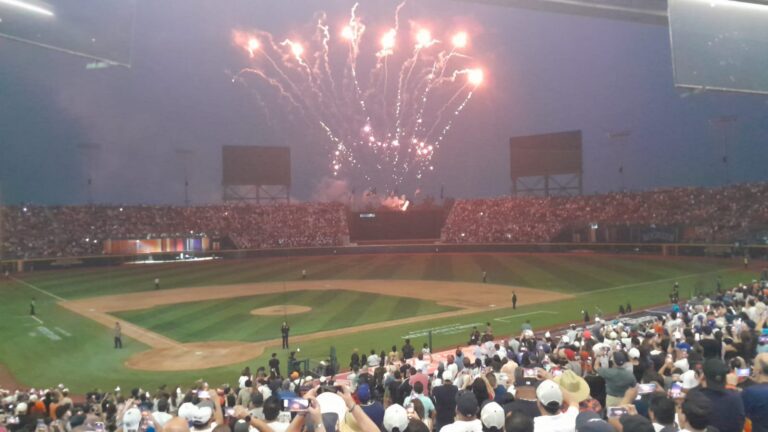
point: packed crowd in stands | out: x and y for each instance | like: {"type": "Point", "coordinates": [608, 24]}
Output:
{"type": "Point", "coordinates": [34, 231]}
{"type": "Point", "coordinates": [700, 366]}
{"type": "Point", "coordinates": [711, 215]}
{"type": "Point", "coordinates": [715, 215]}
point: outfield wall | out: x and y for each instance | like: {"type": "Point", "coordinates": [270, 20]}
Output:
{"type": "Point", "coordinates": [756, 253]}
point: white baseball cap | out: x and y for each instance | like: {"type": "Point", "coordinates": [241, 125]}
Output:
{"type": "Point", "coordinates": [492, 416]}
{"type": "Point", "coordinates": [395, 417]}
{"type": "Point", "coordinates": [548, 392]}
{"type": "Point", "coordinates": [131, 420]}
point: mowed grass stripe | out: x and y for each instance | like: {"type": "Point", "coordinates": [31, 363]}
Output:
{"type": "Point", "coordinates": [573, 276]}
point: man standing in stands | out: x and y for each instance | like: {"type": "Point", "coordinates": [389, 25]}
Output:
{"type": "Point", "coordinates": [274, 364]}
{"type": "Point", "coordinates": [157, 283]}
{"type": "Point", "coordinates": [285, 330]}
{"type": "Point", "coordinates": [407, 350]}
{"type": "Point", "coordinates": [514, 300]}
{"type": "Point", "coordinates": [118, 336]}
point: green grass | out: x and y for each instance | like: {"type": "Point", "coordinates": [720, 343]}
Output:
{"type": "Point", "coordinates": [86, 359]}
{"type": "Point", "coordinates": [230, 319]}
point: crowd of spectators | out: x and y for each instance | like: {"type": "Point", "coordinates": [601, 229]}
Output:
{"type": "Point", "coordinates": [702, 365]}
{"type": "Point", "coordinates": [713, 215]}
{"type": "Point", "coordinates": [51, 231]}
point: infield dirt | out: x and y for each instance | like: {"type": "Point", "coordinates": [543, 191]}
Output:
{"type": "Point", "coordinates": [169, 355]}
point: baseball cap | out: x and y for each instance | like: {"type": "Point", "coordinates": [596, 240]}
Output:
{"type": "Point", "coordinates": [364, 393]}
{"type": "Point", "coordinates": [187, 411]}
{"type": "Point", "coordinates": [202, 415]}
{"type": "Point", "coordinates": [21, 408]}
{"type": "Point", "coordinates": [131, 420]}
{"type": "Point", "coordinates": [395, 417]}
{"type": "Point", "coordinates": [549, 392]}
{"type": "Point", "coordinates": [492, 416]}
{"type": "Point", "coordinates": [448, 375]}
{"type": "Point", "coordinates": [466, 404]}
{"type": "Point", "coordinates": [590, 421]}
{"type": "Point", "coordinates": [620, 358]}
{"type": "Point", "coordinates": [715, 370]}
{"type": "Point", "coordinates": [634, 353]}
{"type": "Point", "coordinates": [636, 423]}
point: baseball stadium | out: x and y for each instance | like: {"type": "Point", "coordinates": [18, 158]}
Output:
{"type": "Point", "coordinates": [460, 216]}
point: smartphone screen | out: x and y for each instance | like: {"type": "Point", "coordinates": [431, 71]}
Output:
{"type": "Point", "coordinates": [743, 372]}
{"type": "Point", "coordinates": [557, 372]}
{"type": "Point", "coordinates": [296, 404]}
{"type": "Point", "coordinates": [616, 411]}
{"type": "Point", "coordinates": [529, 373]}
{"type": "Point", "coordinates": [676, 391]}
{"type": "Point", "coordinates": [646, 388]}
{"type": "Point", "coordinates": [230, 412]}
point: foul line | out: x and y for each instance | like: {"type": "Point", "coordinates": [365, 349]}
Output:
{"type": "Point", "coordinates": [38, 289]}
{"type": "Point", "coordinates": [506, 318]}
{"type": "Point", "coordinates": [37, 319]}
{"type": "Point", "coordinates": [620, 287]}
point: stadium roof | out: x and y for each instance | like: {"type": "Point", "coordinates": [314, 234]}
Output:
{"type": "Point", "coordinates": [641, 11]}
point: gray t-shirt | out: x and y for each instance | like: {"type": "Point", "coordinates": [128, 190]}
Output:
{"type": "Point", "coordinates": [617, 380]}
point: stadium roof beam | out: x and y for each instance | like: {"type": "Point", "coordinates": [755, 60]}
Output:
{"type": "Point", "coordinates": [640, 11]}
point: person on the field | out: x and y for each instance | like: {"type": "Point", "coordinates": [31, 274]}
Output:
{"type": "Point", "coordinates": [285, 329]}
{"type": "Point", "coordinates": [629, 307]}
{"type": "Point", "coordinates": [585, 313]}
{"type": "Point", "coordinates": [303, 273]}
{"type": "Point", "coordinates": [32, 306]}
{"type": "Point", "coordinates": [514, 300]}
{"type": "Point", "coordinates": [354, 360]}
{"type": "Point", "coordinates": [157, 283]}
{"type": "Point", "coordinates": [407, 350]}
{"type": "Point", "coordinates": [485, 277]}
{"type": "Point", "coordinates": [118, 336]}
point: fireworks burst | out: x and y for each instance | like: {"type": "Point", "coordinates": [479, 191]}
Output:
{"type": "Point", "coordinates": [385, 135]}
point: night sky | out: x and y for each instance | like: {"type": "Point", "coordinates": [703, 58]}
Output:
{"type": "Point", "coordinates": [545, 73]}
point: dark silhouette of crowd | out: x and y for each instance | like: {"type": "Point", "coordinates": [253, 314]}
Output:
{"type": "Point", "coordinates": [707, 215]}
{"type": "Point", "coordinates": [59, 231]}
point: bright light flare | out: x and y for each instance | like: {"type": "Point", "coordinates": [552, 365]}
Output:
{"type": "Point", "coordinates": [389, 40]}
{"type": "Point", "coordinates": [423, 38]}
{"type": "Point", "coordinates": [460, 40]}
{"type": "Point", "coordinates": [475, 77]}
{"type": "Point", "coordinates": [253, 45]}
{"type": "Point", "coordinates": [27, 7]}
{"type": "Point", "coordinates": [348, 33]}
{"type": "Point", "coordinates": [297, 50]}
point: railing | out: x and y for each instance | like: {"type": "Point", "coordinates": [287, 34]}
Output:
{"type": "Point", "coordinates": [662, 249]}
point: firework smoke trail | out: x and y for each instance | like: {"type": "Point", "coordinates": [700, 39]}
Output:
{"type": "Point", "coordinates": [272, 82]}
{"type": "Point", "coordinates": [442, 111]}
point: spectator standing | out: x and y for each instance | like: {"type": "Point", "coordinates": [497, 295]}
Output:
{"type": "Point", "coordinates": [466, 415]}
{"type": "Point", "coordinates": [727, 408]}
{"type": "Point", "coordinates": [755, 397]}
{"type": "Point", "coordinates": [617, 378]}
{"type": "Point", "coordinates": [372, 408]}
{"type": "Point", "coordinates": [445, 400]}
{"type": "Point", "coordinates": [550, 403]}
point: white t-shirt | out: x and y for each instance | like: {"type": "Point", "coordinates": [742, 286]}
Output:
{"type": "Point", "coordinates": [564, 422]}
{"type": "Point", "coordinates": [241, 381]}
{"type": "Point", "coordinates": [463, 426]}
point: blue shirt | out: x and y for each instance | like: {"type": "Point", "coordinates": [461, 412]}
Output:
{"type": "Point", "coordinates": [727, 413]}
{"type": "Point", "coordinates": [375, 412]}
{"type": "Point", "coordinates": [755, 400]}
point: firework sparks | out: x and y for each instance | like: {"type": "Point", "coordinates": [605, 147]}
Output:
{"type": "Point", "coordinates": [383, 136]}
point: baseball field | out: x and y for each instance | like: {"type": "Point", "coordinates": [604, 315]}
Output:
{"type": "Point", "coordinates": [210, 319]}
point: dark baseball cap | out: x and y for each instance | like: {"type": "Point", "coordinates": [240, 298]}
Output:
{"type": "Point", "coordinates": [620, 358]}
{"type": "Point", "coordinates": [715, 370]}
{"type": "Point", "coordinates": [466, 404]}
{"type": "Point", "coordinates": [590, 421]}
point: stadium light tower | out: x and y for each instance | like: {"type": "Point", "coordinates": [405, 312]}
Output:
{"type": "Point", "coordinates": [183, 155]}
{"type": "Point", "coordinates": [89, 151]}
{"type": "Point", "coordinates": [724, 122]}
{"type": "Point", "coordinates": [620, 139]}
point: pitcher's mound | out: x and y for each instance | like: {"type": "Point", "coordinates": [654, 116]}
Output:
{"type": "Point", "coordinates": [280, 310]}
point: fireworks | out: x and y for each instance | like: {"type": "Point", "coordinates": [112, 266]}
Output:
{"type": "Point", "coordinates": [382, 128]}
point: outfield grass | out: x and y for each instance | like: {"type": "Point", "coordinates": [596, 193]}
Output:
{"type": "Point", "coordinates": [230, 319]}
{"type": "Point", "coordinates": [85, 359]}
